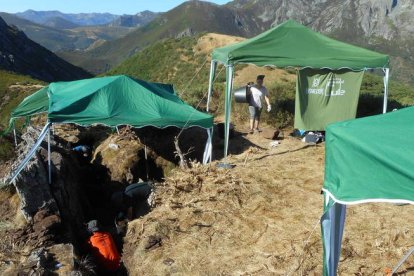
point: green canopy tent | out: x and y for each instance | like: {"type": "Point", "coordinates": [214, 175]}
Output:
{"type": "Point", "coordinates": [363, 164]}
{"type": "Point", "coordinates": [292, 45]}
{"type": "Point", "coordinates": [112, 101]}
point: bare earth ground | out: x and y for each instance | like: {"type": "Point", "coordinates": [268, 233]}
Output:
{"type": "Point", "coordinates": [260, 218]}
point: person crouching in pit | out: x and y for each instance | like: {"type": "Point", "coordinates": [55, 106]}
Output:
{"type": "Point", "coordinates": [103, 250]}
{"type": "Point", "coordinates": [259, 92]}
{"type": "Point", "coordinates": [132, 202]}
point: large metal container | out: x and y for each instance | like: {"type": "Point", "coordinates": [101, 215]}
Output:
{"type": "Point", "coordinates": [242, 94]}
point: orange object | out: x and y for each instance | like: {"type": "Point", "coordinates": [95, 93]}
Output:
{"type": "Point", "coordinates": [388, 271]}
{"type": "Point", "coordinates": [104, 250]}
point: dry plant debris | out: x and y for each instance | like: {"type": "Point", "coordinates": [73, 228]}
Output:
{"type": "Point", "coordinates": [260, 218]}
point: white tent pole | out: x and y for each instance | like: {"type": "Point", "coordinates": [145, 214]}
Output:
{"type": "Point", "coordinates": [332, 225]}
{"type": "Point", "coordinates": [14, 134]}
{"type": "Point", "coordinates": [213, 67]}
{"type": "Point", "coordinates": [211, 144]}
{"type": "Point", "coordinates": [29, 156]}
{"type": "Point", "coordinates": [208, 148]}
{"type": "Point", "coordinates": [386, 76]}
{"type": "Point", "coordinates": [48, 157]}
{"type": "Point", "coordinates": [229, 87]}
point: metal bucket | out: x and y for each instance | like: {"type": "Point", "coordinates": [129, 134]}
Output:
{"type": "Point", "coordinates": [242, 94]}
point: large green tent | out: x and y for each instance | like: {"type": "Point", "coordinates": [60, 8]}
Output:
{"type": "Point", "coordinates": [367, 160]}
{"type": "Point", "coordinates": [111, 101]}
{"type": "Point", "coordinates": [291, 44]}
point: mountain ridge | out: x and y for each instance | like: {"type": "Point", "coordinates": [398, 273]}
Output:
{"type": "Point", "coordinates": [81, 19]}
{"type": "Point", "coordinates": [56, 39]}
{"type": "Point", "coordinates": [386, 26]}
{"type": "Point", "coordinates": [21, 55]}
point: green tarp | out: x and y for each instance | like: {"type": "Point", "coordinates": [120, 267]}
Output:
{"type": "Point", "coordinates": [33, 104]}
{"type": "Point", "coordinates": [112, 101]}
{"type": "Point", "coordinates": [371, 159]}
{"type": "Point", "coordinates": [366, 160]}
{"type": "Point", "coordinates": [292, 44]}
{"type": "Point", "coordinates": [325, 96]}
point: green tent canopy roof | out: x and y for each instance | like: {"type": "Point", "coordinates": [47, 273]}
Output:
{"type": "Point", "coordinates": [371, 159]}
{"type": "Point", "coordinates": [112, 101]}
{"type": "Point", "coordinates": [292, 44]}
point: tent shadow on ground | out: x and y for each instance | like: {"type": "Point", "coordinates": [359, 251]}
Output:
{"type": "Point", "coordinates": [369, 105]}
{"type": "Point", "coordinates": [191, 140]}
{"type": "Point", "coordinates": [287, 151]}
{"type": "Point", "coordinates": [239, 144]}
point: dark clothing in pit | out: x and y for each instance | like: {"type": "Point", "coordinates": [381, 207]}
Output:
{"type": "Point", "coordinates": [135, 196]}
{"type": "Point", "coordinates": [136, 192]}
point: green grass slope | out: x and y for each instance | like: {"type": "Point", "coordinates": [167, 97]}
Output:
{"type": "Point", "coordinates": [170, 61]}
{"type": "Point", "coordinates": [10, 97]}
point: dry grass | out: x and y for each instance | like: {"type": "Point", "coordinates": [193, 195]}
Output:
{"type": "Point", "coordinates": [260, 218]}
{"type": "Point", "coordinates": [207, 43]}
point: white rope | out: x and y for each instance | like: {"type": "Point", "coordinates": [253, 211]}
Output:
{"type": "Point", "coordinates": [304, 245]}
{"type": "Point", "coordinates": [191, 81]}
{"type": "Point", "coordinates": [195, 109]}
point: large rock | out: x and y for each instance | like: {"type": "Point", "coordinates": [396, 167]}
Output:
{"type": "Point", "coordinates": [123, 157]}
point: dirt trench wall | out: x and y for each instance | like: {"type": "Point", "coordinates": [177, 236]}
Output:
{"type": "Point", "coordinates": [63, 197]}
{"type": "Point", "coordinates": [33, 189]}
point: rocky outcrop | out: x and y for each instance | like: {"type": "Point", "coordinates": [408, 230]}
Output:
{"type": "Point", "coordinates": [383, 18]}
{"type": "Point", "coordinates": [21, 55]}
{"type": "Point", "coordinates": [136, 20]}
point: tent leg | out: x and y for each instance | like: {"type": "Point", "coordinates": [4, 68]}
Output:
{"type": "Point", "coordinates": [209, 147]}
{"type": "Point", "coordinates": [15, 136]}
{"type": "Point", "coordinates": [146, 160]}
{"type": "Point", "coordinates": [332, 225]}
{"type": "Point", "coordinates": [229, 87]}
{"type": "Point", "coordinates": [213, 67]}
{"type": "Point", "coordinates": [48, 157]}
{"type": "Point", "coordinates": [386, 76]}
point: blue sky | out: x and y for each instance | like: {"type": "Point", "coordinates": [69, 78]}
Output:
{"type": "Point", "coordinates": [77, 6]}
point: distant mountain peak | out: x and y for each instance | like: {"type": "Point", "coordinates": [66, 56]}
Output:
{"type": "Point", "coordinates": [136, 20]}
{"type": "Point", "coordinates": [82, 19]}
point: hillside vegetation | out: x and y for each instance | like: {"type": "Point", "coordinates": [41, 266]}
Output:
{"type": "Point", "coordinates": [177, 61]}
{"type": "Point", "coordinates": [13, 89]}
{"type": "Point", "coordinates": [24, 56]}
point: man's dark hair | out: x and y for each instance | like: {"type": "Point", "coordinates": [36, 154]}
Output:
{"type": "Point", "coordinates": [260, 77]}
